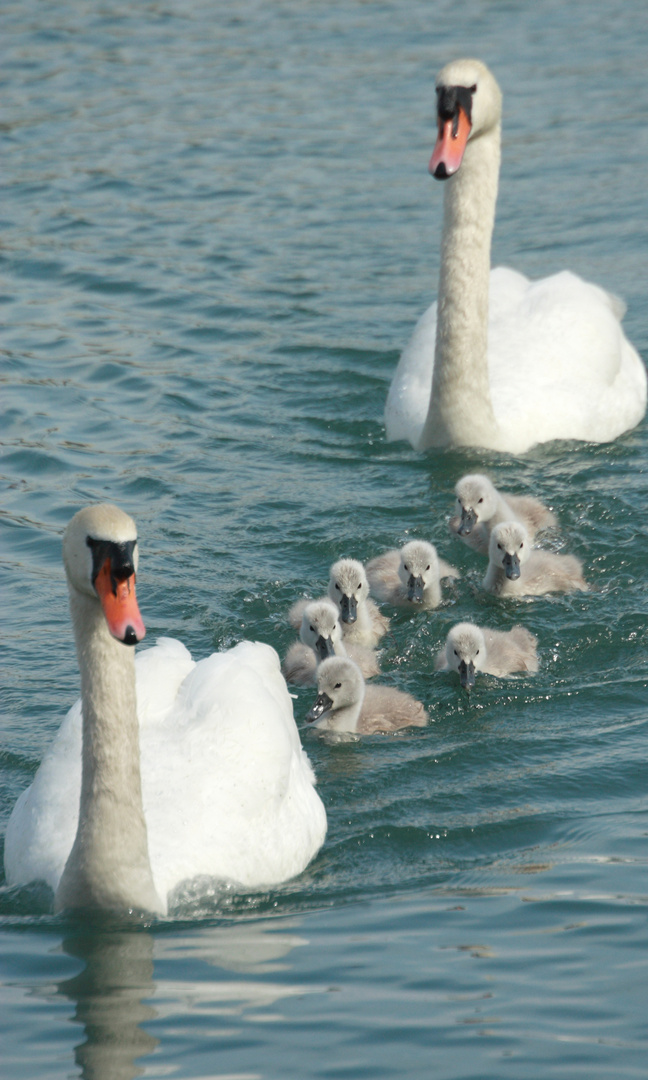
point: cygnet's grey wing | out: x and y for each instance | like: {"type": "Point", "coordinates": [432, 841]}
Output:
{"type": "Point", "coordinates": [446, 571]}
{"type": "Point", "coordinates": [365, 658]}
{"type": "Point", "coordinates": [548, 572]}
{"type": "Point", "coordinates": [387, 709]}
{"type": "Point", "coordinates": [379, 622]}
{"type": "Point", "coordinates": [300, 665]}
{"type": "Point", "coordinates": [382, 574]}
{"type": "Point", "coordinates": [510, 652]}
{"type": "Point", "coordinates": [532, 513]}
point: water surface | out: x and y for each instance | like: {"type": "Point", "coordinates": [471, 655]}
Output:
{"type": "Point", "coordinates": [217, 234]}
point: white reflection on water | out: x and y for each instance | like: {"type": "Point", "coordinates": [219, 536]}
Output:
{"type": "Point", "coordinates": [116, 994]}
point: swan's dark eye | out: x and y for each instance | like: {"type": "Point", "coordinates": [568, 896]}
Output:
{"type": "Point", "coordinates": [473, 88]}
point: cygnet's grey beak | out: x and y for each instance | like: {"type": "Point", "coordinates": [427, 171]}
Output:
{"type": "Point", "coordinates": [348, 608]}
{"type": "Point", "coordinates": [321, 705]}
{"type": "Point", "coordinates": [467, 674]}
{"type": "Point", "coordinates": [415, 589]}
{"type": "Point", "coordinates": [467, 523]}
{"type": "Point", "coordinates": [511, 566]}
{"type": "Point", "coordinates": [324, 647]}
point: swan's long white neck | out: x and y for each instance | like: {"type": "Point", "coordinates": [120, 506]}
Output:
{"type": "Point", "coordinates": [460, 401]}
{"type": "Point", "coordinates": [108, 866]}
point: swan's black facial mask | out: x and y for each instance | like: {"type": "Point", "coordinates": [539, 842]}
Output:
{"type": "Point", "coordinates": [452, 98]}
{"type": "Point", "coordinates": [121, 556]}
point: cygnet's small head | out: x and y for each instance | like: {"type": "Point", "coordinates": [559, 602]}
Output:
{"type": "Point", "coordinates": [476, 501]}
{"type": "Point", "coordinates": [465, 652]}
{"type": "Point", "coordinates": [321, 628]}
{"type": "Point", "coordinates": [100, 556]}
{"type": "Point", "coordinates": [419, 565]}
{"type": "Point", "coordinates": [348, 587]}
{"type": "Point", "coordinates": [340, 685]}
{"type": "Point", "coordinates": [469, 103]}
{"type": "Point", "coordinates": [509, 548]}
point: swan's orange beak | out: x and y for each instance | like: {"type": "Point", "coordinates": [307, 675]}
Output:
{"type": "Point", "coordinates": [450, 145]}
{"type": "Point", "coordinates": [119, 603]}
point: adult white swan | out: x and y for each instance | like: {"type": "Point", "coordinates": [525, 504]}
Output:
{"type": "Point", "coordinates": [508, 363]}
{"type": "Point", "coordinates": [224, 789]}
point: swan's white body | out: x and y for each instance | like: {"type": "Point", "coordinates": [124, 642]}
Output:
{"type": "Point", "coordinates": [227, 791]}
{"type": "Point", "coordinates": [510, 362]}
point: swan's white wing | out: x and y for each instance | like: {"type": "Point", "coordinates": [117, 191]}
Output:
{"type": "Point", "coordinates": [560, 366]}
{"type": "Point", "coordinates": [409, 394]}
{"type": "Point", "coordinates": [228, 790]}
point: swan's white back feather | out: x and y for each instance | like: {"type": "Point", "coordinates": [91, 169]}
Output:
{"type": "Point", "coordinates": [228, 791]}
{"type": "Point", "coordinates": [559, 365]}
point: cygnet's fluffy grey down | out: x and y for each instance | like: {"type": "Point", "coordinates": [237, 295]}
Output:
{"type": "Point", "coordinates": [409, 577]}
{"type": "Point", "coordinates": [344, 703]}
{"type": "Point", "coordinates": [480, 507]}
{"type": "Point", "coordinates": [517, 569]}
{"type": "Point", "coordinates": [469, 649]}
{"type": "Point", "coordinates": [348, 588]}
{"type": "Point", "coordinates": [320, 637]}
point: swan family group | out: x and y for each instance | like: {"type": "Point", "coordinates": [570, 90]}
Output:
{"type": "Point", "coordinates": [169, 771]}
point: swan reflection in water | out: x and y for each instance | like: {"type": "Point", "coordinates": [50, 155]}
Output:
{"type": "Point", "coordinates": [112, 994]}
{"type": "Point", "coordinates": [119, 1003]}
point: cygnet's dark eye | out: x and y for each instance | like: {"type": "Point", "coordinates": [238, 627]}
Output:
{"type": "Point", "coordinates": [477, 653]}
{"type": "Point", "coordinates": [313, 630]}
{"type": "Point", "coordinates": [500, 547]}
{"type": "Point", "coordinates": [427, 567]}
{"type": "Point", "coordinates": [360, 585]}
{"type": "Point", "coordinates": [480, 500]}
{"type": "Point", "coordinates": [522, 543]}
{"type": "Point", "coordinates": [456, 653]}
{"type": "Point", "coordinates": [338, 685]}
{"type": "Point", "coordinates": [406, 567]}
{"type": "Point", "coordinates": [337, 586]}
